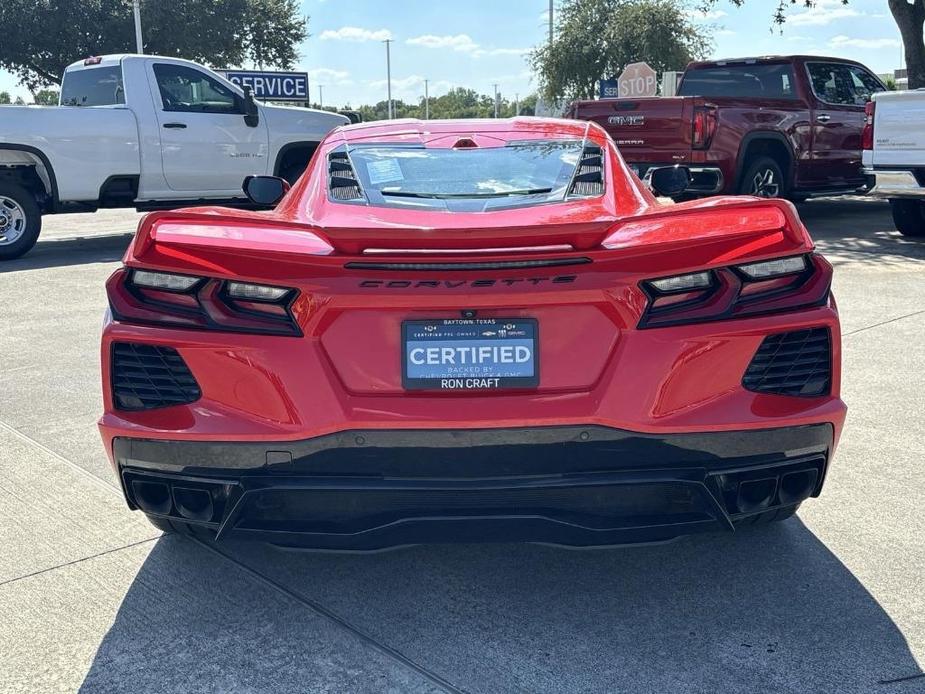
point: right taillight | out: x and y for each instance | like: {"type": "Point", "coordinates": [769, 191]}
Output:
{"type": "Point", "coordinates": [867, 133]}
{"type": "Point", "coordinates": [770, 286]}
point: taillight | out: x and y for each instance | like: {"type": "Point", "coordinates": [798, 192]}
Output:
{"type": "Point", "coordinates": [769, 286]}
{"type": "Point", "coordinates": [867, 133]}
{"type": "Point", "coordinates": [704, 126]}
{"type": "Point", "coordinates": [187, 301]}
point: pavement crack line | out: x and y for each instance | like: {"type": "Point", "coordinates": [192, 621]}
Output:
{"type": "Point", "coordinates": [307, 603]}
{"type": "Point", "coordinates": [333, 617]}
{"type": "Point", "coordinates": [78, 561]}
{"type": "Point", "coordinates": [877, 325]}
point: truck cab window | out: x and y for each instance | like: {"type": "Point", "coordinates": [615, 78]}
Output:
{"type": "Point", "coordinates": [838, 83]}
{"type": "Point", "coordinates": [770, 81]}
{"type": "Point", "coordinates": [94, 86]}
{"type": "Point", "coordinates": [189, 90]}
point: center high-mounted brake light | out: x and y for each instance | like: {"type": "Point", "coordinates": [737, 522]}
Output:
{"type": "Point", "coordinates": [185, 301]}
{"type": "Point", "coordinates": [768, 286]}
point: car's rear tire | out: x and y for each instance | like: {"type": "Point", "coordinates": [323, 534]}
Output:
{"type": "Point", "coordinates": [20, 220]}
{"type": "Point", "coordinates": [909, 217]}
{"type": "Point", "coordinates": [773, 516]}
{"type": "Point", "coordinates": [763, 178]}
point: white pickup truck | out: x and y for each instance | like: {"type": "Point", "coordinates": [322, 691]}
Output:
{"type": "Point", "coordinates": [894, 156]}
{"type": "Point", "coordinates": [146, 132]}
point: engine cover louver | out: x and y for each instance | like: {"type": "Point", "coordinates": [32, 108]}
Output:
{"type": "Point", "coordinates": [794, 363]}
{"type": "Point", "coordinates": [342, 179]}
{"type": "Point", "coordinates": [148, 376]}
{"type": "Point", "coordinates": [589, 178]}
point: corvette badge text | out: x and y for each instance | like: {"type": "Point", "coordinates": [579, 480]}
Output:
{"type": "Point", "coordinates": [457, 284]}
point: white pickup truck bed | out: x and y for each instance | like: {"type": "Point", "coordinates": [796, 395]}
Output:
{"type": "Point", "coordinates": [894, 158]}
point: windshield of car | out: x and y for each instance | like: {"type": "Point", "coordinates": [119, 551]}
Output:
{"type": "Point", "coordinates": [519, 173]}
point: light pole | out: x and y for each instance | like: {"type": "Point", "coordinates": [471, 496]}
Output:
{"type": "Point", "coordinates": [550, 22]}
{"type": "Point", "coordinates": [516, 104]}
{"type": "Point", "coordinates": [388, 73]}
{"type": "Point", "coordinates": [321, 96]}
{"type": "Point", "coordinates": [136, 10]}
{"type": "Point", "coordinates": [496, 99]}
{"type": "Point", "coordinates": [426, 101]}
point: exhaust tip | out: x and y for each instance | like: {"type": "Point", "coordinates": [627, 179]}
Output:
{"type": "Point", "coordinates": [152, 497]}
{"type": "Point", "coordinates": [797, 486]}
{"type": "Point", "coordinates": [193, 504]}
{"type": "Point", "coordinates": [756, 495]}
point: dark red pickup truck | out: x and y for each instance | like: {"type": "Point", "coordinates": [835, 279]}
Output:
{"type": "Point", "coordinates": [779, 126]}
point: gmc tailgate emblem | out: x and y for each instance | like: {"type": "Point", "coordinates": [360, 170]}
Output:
{"type": "Point", "coordinates": [626, 120]}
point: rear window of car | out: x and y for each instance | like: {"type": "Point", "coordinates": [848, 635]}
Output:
{"type": "Point", "coordinates": [767, 81]}
{"type": "Point", "coordinates": [97, 86]}
{"type": "Point", "coordinates": [520, 173]}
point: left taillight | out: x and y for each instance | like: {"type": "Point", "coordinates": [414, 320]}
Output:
{"type": "Point", "coordinates": [768, 286]}
{"type": "Point", "coordinates": [867, 132]}
{"type": "Point", "coordinates": [186, 301]}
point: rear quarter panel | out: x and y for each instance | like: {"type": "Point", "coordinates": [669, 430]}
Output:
{"type": "Point", "coordinates": [84, 146]}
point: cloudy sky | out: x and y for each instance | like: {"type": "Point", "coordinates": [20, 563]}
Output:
{"type": "Point", "coordinates": [477, 43]}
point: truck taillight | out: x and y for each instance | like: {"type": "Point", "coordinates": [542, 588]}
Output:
{"type": "Point", "coordinates": [704, 126]}
{"type": "Point", "coordinates": [867, 134]}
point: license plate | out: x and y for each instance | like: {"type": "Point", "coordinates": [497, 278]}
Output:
{"type": "Point", "coordinates": [469, 354]}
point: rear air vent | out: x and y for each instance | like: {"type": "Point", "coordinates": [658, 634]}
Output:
{"type": "Point", "coordinates": [147, 376]}
{"type": "Point", "coordinates": [342, 179]}
{"type": "Point", "coordinates": [794, 363]}
{"type": "Point", "coordinates": [589, 178]}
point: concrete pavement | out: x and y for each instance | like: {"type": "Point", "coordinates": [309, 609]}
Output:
{"type": "Point", "coordinates": [93, 599]}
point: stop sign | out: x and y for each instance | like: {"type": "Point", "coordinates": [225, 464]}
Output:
{"type": "Point", "coordinates": [637, 79]}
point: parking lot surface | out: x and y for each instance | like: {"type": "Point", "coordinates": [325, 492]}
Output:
{"type": "Point", "coordinates": [92, 598]}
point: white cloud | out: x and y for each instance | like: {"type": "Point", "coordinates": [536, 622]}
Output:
{"type": "Point", "coordinates": [848, 42]}
{"type": "Point", "coordinates": [401, 84]}
{"type": "Point", "coordinates": [355, 34]}
{"type": "Point", "coordinates": [459, 42]}
{"type": "Point", "coordinates": [323, 75]}
{"type": "Point", "coordinates": [500, 51]}
{"type": "Point", "coordinates": [825, 12]}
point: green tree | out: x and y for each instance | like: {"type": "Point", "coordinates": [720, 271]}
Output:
{"type": "Point", "coordinates": [909, 16]}
{"type": "Point", "coordinates": [4, 97]}
{"type": "Point", "coordinates": [42, 37]}
{"type": "Point", "coordinates": [596, 39]}
{"type": "Point", "coordinates": [46, 97]}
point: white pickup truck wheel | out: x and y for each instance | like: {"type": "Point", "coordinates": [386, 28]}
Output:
{"type": "Point", "coordinates": [909, 216]}
{"type": "Point", "coordinates": [20, 220]}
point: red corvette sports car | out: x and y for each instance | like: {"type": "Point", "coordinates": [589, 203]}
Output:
{"type": "Point", "coordinates": [470, 331]}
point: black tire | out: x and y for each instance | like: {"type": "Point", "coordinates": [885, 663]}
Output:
{"type": "Point", "coordinates": [909, 217]}
{"type": "Point", "coordinates": [773, 516]}
{"type": "Point", "coordinates": [20, 219]}
{"type": "Point", "coordinates": [763, 177]}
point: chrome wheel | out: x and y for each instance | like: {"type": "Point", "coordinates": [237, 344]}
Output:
{"type": "Point", "coordinates": [765, 184]}
{"type": "Point", "coordinates": [12, 221]}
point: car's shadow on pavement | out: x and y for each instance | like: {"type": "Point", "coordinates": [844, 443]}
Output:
{"type": "Point", "coordinates": [104, 248]}
{"type": "Point", "coordinates": [765, 610]}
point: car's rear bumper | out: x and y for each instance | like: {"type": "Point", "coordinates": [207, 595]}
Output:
{"type": "Point", "coordinates": [567, 485]}
{"type": "Point", "coordinates": [894, 183]}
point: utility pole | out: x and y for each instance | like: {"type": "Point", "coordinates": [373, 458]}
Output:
{"type": "Point", "coordinates": [136, 10]}
{"type": "Point", "coordinates": [426, 101]}
{"type": "Point", "coordinates": [496, 99]}
{"type": "Point", "coordinates": [321, 96]}
{"type": "Point", "coordinates": [388, 73]}
{"type": "Point", "coordinates": [550, 22]}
